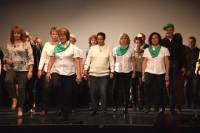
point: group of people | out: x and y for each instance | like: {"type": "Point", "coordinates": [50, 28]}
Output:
{"type": "Point", "coordinates": [161, 73]}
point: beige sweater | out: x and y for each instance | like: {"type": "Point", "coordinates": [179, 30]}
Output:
{"type": "Point", "coordinates": [100, 61]}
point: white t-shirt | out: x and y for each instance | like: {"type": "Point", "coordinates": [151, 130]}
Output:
{"type": "Point", "coordinates": [64, 61]}
{"type": "Point", "coordinates": [45, 56]}
{"type": "Point", "coordinates": [156, 65]}
{"type": "Point", "coordinates": [80, 52]}
{"type": "Point", "coordinates": [123, 64]}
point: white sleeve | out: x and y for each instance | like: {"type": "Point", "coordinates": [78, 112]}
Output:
{"type": "Point", "coordinates": [51, 52]}
{"type": "Point", "coordinates": [113, 52]}
{"type": "Point", "coordinates": [88, 59]}
{"type": "Point", "coordinates": [145, 53]}
{"type": "Point", "coordinates": [167, 52]}
{"type": "Point", "coordinates": [42, 58]}
{"type": "Point", "coordinates": [132, 51]}
{"type": "Point", "coordinates": [76, 52]}
{"type": "Point", "coordinates": [81, 53]}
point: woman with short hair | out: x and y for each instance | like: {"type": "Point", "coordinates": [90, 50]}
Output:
{"type": "Point", "coordinates": [155, 73]}
{"type": "Point", "coordinates": [124, 70]}
{"type": "Point", "coordinates": [65, 71]}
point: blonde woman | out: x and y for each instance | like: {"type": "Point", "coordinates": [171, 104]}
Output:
{"type": "Point", "coordinates": [124, 70]}
{"type": "Point", "coordinates": [42, 69]}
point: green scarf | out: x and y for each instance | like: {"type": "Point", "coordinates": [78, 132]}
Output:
{"type": "Point", "coordinates": [154, 53]}
{"type": "Point", "coordinates": [121, 51]}
{"type": "Point", "coordinates": [59, 48]}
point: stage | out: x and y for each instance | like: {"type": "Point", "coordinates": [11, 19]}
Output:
{"type": "Point", "coordinates": [186, 121]}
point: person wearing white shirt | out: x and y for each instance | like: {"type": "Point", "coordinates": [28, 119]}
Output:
{"type": "Point", "coordinates": [42, 69]}
{"type": "Point", "coordinates": [65, 71]}
{"type": "Point", "coordinates": [100, 67]}
{"type": "Point", "coordinates": [155, 73]}
{"type": "Point", "coordinates": [124, 70]}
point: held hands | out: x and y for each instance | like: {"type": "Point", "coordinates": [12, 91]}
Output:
{"type": "Point", "coordinates": [85, 74]}
{"type": "Point", "coordinates": [111, 75]}
{"type": "Point", "coordinates": [78, 79]}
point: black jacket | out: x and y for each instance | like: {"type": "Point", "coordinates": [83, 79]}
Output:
{"type": "Point", "coordinates": [36, 55]}
{"type": "Point", "coordinates": [176, 50]}
{"type": "Point", "coordinates": [191, 57]}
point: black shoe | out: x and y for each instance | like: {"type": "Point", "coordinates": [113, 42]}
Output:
{"type": "Point", "coordinates": [104, 112]}
{"type": "Point", "coordinates": [93, 113]}
{"type": "Point", "coordinates": [147, 110]}
{"type": "Point", "coordinates": [73, 110]}
{"type": "Point", "coordinates": [172, 111]}
{"type": "Point", "coordinates": [115, 109]}
{"type": "Point", "coordinates": [162, 110]}
{"type": "Point", "coordinates": [156, 109]}
{"type": "Point", "coordinates": [59, 112]}
{"type": "Point", "coordinates": [125, 110]}
{"type": "Point", "coordinates": [65, 116]}
{"type": "Point", "coordinates": [135, 108]}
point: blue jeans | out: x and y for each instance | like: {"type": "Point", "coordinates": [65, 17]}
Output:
{"type": "Point", "coordinates": [98, 85]}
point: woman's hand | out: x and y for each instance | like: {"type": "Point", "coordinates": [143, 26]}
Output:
{"type": "Point", "coordinates": [39, 74]}
{"type": "Point", "coordinates": [78, 79]}
{"type": "Point", "coordinates": [166, 77]}
{"type": "Point", "coordinates": [8, 61]}
{"type": "Point", "coordinates": [133, 75]}
{"type": "Point", "coordinates": [29, 75]}
{"type": "Point", "coordinates": [183, 70]}
{"type": "Point", "coordinates": [111, 75]}
{"type": "Point", "coordinates": [48, 76]}
{"type": "Point", "coordinates": [143, 78]}
{"type": "Point", "coordinates": [85, 74]}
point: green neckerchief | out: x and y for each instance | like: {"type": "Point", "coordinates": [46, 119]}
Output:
{"type": "Point", "coordinates": [121, 51]}
{"type": "Point", "coordinates": [59, 48]}
{"type": "Point", "coordinates": [154, 53]}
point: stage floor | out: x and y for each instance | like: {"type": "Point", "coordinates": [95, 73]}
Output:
{"type": "Point", "coordinates": [187, 119]}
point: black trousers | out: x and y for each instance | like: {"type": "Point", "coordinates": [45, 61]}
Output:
{"type": "Point", "coordinates": [19, 77]}
{"type": "Point", "coordinates": [3, 92]}
{"type": "Point", "coordinates": [63, 86]}
{"type": "Point", "coordinates": [34, 91]}
{"type": "Point", "coordinates": [138, 90]}
{"type": "Point", "coordinates": [46, 87]}
{"type": "Point", "coordinates": [155, 90]}
{"type": "Point", "coordinates": [121, 88]}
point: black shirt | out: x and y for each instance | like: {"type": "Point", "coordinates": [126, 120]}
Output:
{"type": "Point", "coordinates": [191, 57]}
